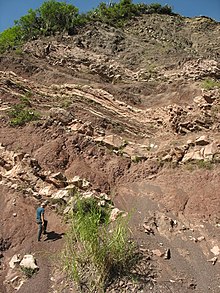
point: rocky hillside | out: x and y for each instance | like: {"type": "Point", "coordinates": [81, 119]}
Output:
{"type": "Point", "coordinates": [130, 114]}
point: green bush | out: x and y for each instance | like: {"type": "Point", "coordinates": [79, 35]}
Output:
{"type": "Point", "coordinates": [118, 13]}
{"type": "Point", "coordinates": [29, 272]}
{"type": "Point", "coordinates": [96, 251]}
{"type": "Point", "coordinates": [10, 38]}
{"type": "Point", "coordinates": [21, 113]}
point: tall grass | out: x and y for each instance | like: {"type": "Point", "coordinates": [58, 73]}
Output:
{"type": "Point", "coordinates": [96, 251]}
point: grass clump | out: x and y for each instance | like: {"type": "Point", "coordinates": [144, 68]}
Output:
{"type": "Point", "coordinates": [29, 272]}
{"type": "Point", "coordinates": [96, 250]}
{"type": "Point", "coordinates": [200, 164]}
{"type": "Point", "coordinates": [22, 113]}
{"type": "Point", "coordinates": [208, 165]}
{"type": "Point", "coordinates": [209, 84]}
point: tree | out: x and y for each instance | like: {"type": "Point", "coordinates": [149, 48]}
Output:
{"type": "Point", "coordinates": [57, 16]}
{"type": "Point", "coordinates": [30, 24]}
{"type": "Point", "coordinates": [9, 38]}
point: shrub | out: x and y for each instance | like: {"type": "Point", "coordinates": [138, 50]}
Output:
{"type": "Point", "coordinates": [10, 38]}
{"type": "Point", "coordinates": [96, 251]}
{"type": "Point", "coordinates": [21, 113]}
{"type": "Point", "coordinates": [56, 16]}
{"type": "Point", "coordinates": [29, 272]}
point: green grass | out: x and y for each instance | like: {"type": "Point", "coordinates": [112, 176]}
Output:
{"type": "Point", "coordinates": [29, 272]}
{"type": "Point", "coordinates": [208, 165]}
{"type": "Point", "coordinates": [22, 113]}
{"type": "Point", "coordinates": [65, 103]}
{"type": "Point", "coordinates": [96, 251]}
{"type": "Point", "coordinates": [199, 164]}
{"type": "Point", "coordinates": [209, 84]}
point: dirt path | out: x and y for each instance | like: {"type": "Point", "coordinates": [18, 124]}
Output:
{"type": "Point", "coordinates": [47, 255]}
{"type": "Point", "coordinates": [21, 230]}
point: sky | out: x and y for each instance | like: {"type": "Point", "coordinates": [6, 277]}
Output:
{"type": "Point", "coordinates": [11, 10]}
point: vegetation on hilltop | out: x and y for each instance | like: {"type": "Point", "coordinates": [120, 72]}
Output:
{"type": "Point", "coordinates": [58, 17]}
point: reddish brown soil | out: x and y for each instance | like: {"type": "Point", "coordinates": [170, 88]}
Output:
{"type": "Point", "coordinates": [21, 230]}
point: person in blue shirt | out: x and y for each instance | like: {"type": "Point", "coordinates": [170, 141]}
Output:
{"type": "Point", "coordinates": [42, 223]}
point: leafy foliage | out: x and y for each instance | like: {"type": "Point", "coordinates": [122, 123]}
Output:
{"type": "Point", "coordinates": [57, 17]}
{"type": "Point", "coordinates": [29, 272]}
{"type": "Point", "coordinates": [118, 13]}
{"type": "Point", "coordinates": [10, 38]}
{"type": "Point", "coordinates": [50, 18]}
{"type": "Point", "coordinates": [21, 113]}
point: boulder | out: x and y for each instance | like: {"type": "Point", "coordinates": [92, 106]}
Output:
{"type": "Point", "coordinates": [75, 126]}
{"type": "Point", "coordinates": [202, 140]}
{"type": "Point", "coordinates": [210, 150]}
{"type": "Point", "coordinates": [215, 250]}
{"type": "Point", "coordinates": [114, 214]}
{"type": "Point", "coordinates": [199, 100]}
{"type": "Point", "coordinates": [61, 115]}
{"type": "Point", "coordinates": [64, 194]}
{"type": "Point", "coordinates": [28, 262]}
{"type": "Point", "coordinates": [57, 179]}
{"type": "Point", "coordinates": [111, 141]}
{"type": "Point", "coordinates": [79, 182]}
{"type": "Point", "coordinates": [138, 151]}
{"type": "Point", "coordinates": [15, 261]}
{"type": "Point", "coordinates": [157, 252]}
{"type": "Point", "coordinates": [46, 190]}
{"type": "Point", "coordinates": [167, 158]}
{"type": "Point", "coordinates": [192, 155]}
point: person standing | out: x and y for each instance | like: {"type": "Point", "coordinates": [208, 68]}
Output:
{"type": "Point", "coordinates": [42, 223]}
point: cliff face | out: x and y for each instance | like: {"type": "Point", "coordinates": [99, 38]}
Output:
{"type": "Point", "coordinates": [133, 110]}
